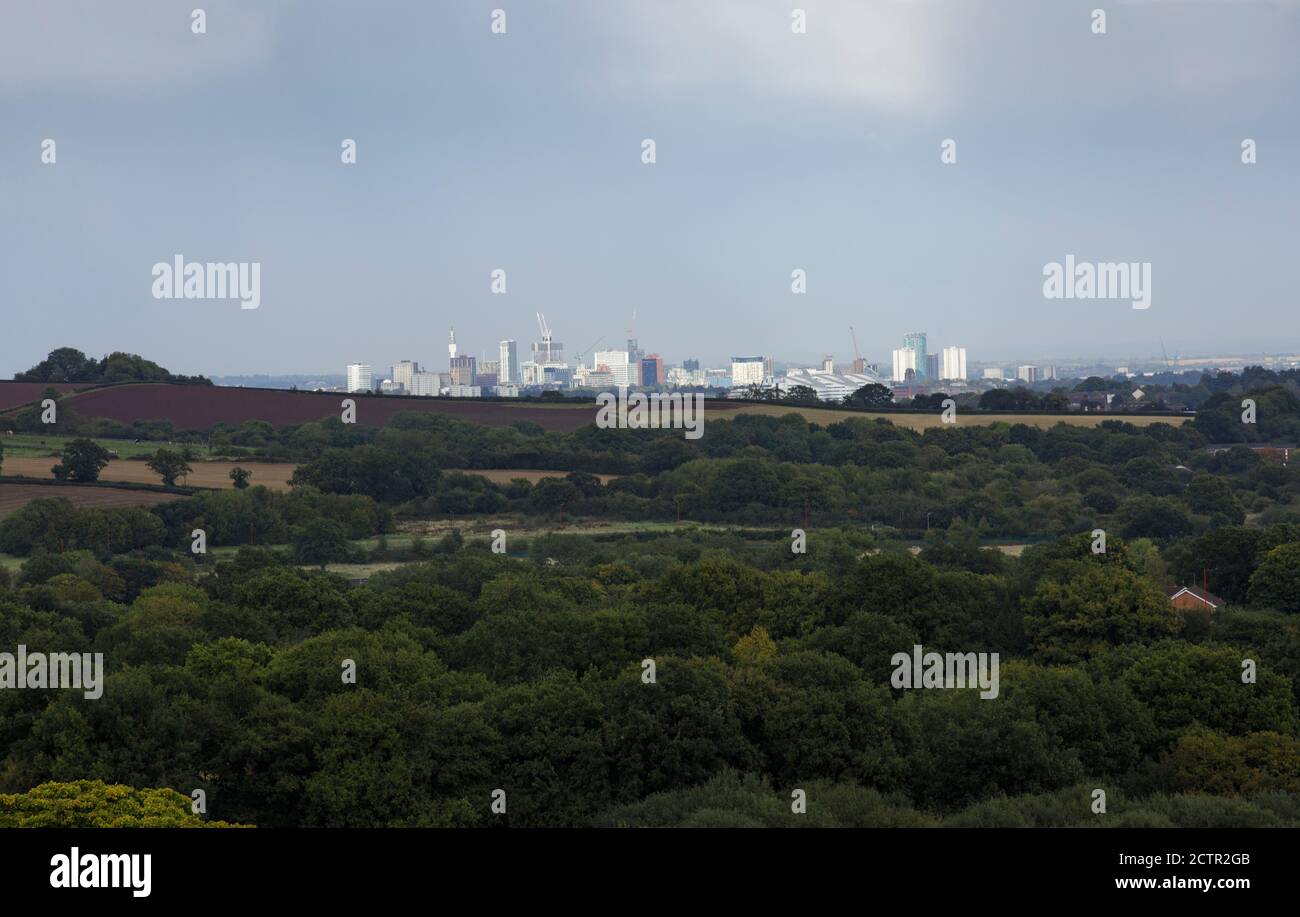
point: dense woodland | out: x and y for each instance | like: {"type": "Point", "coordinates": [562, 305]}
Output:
{"type": "Point", "coordinates": [479, 671]}
{"type": "Point", "coordinates": [523, 671]}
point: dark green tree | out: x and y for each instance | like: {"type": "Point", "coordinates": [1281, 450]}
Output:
{"type": "Point", "coordinates": [169, 465]}
{"type": "Point", "coordinates": [321, 541]}
{"type": "Point", "coordinates": [83, 460]}
{"type": "Point", "coordinates": [872, 395]}
{"type": "Point", "coordinates": [1276, 581]}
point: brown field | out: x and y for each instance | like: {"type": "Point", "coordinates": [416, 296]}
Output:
{"type": "Point", "coordinates": [205, 474]}
{"type": "Point", "coordinates": [925, 421]}
{"type": "Point", "coordinates": [269, 474]}
{"type": "Point", "coordinates": [198, 407]}
{"type": "Point", "coordinates": [21, 394]}
{"type": "Point", "coordinates": [16, 496]}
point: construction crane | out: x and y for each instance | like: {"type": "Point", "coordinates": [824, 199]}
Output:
{"type": "Point", "coordinates": [593, 344]}
{"type": "Point", "coordinates": [546, 335]}
{"type": "Point", "coordinates": [858, 365]}
{"type": "Point", "coordinates": [1173, 365]}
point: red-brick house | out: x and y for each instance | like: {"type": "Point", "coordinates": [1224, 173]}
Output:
{"type": "Point", "coordinates": [1279, 453]}
{"type": "Point", "coordinates": [1193, 598]}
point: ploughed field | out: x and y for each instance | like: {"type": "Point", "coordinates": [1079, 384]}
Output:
{"type": "Point", "coordinates": [14, 497]}
{"type": "Point", "coordinates": [21, 394]}
{"type": "Point", "coordinates": [199, 407]}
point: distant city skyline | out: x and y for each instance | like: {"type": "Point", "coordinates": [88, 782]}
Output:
{"type": "Point", "coordinates": [775, 153]}
{"type": "Point", "coordinates": [384, 368]}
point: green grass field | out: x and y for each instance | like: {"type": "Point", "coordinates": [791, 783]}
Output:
{"type": "Point", "coordinates": [28, 445]}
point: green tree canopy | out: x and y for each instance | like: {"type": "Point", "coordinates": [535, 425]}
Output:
{"type": "Point", "coordinates": [96, 804]}
{"type": "Point", "coordinates": [1276, 582]}
{"type": "Point", "coordinates": [83, 460]}
{"type": "Point", "coordinates": [169, 465]}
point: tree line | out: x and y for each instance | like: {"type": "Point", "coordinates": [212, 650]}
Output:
{"type": "Point", "coordinates": [478, 671]}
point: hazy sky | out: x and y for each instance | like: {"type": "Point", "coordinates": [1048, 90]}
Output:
{"type": "Point", "coordinates": [522, 151]}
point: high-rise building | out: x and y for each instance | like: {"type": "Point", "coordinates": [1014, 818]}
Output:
{"type": "Point", "coordinates": [691, 366]}
{"type": "Point", "coordinates": [747, 370]}
{"type": "Point", "coordinates": [915, 342]}
{"type": "Point", "coordinates": [404, 374]}
{"type": "Point", "coordinates": [451, 347]}
{"type": "Point", "coordinates": [828, 363]}
{"type": "Point", "coordinates": [652, 369]}
{"type": "Point", "coordinates": [426, 384]}
{"type": "Point", "coordinates": [954, 364]}
{"type": "Point", "coordinates": [993, 372]}
{"type": "Point", "coordinates": [614, 362]}
{"type": "Point", "coordinates": [464, 371]}
{"type": "Point", "coordinates": [1027, 373]}
{"type": "Point", "coordinates": [359, 379]}
{"type": "Point", "coordinates": [932, 366]}
{"type": "Point", "coordinates": [681, 377]}
{"type": "Point", "coordinates": [634, 357]}
{"type": "Point", "coordinates": [904, 359]}
{"type": "Point", "coordinates": [509, 371]}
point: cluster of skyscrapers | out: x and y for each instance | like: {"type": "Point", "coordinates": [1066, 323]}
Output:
{"type": "Point", "coordinates": [914, 362]}
{"type": "Point", "coordinates": [468, 376]}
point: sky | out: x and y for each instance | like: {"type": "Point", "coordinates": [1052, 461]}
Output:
{"type": "Point", "coordinates": [522, 151]}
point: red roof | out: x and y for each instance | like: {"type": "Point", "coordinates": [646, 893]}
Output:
{"type": "Point", "coordinates": [1208, 598]}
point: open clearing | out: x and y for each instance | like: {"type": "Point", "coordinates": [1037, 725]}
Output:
{"type": "Point", "coordinates": [16, 496]}
{"type": "Point", "coordinates": [926, 421]}
{"type": "Point", "coordinates": [217, 474]}
{"type": "Point", "coordinates": [205, 474]}
{"type": "Point", "coordinates": [30, 445]}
